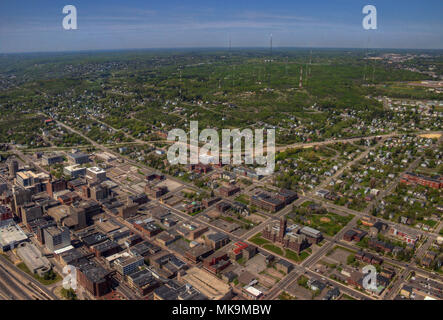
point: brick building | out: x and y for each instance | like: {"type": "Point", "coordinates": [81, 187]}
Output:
{"type": "Point", "coordinates": [435, 182]}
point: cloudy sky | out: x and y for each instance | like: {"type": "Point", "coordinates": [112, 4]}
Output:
{"type": "Point", "coordinates": [29, 25]}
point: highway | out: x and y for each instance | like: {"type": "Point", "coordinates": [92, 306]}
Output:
{"type": "Point", "coordinates": [27, 286]}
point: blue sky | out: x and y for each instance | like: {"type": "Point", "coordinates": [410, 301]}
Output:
{"type": "Point", "coordinates": [29, 25]}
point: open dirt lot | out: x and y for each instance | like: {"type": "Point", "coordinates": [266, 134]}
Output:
{"type": "Point", "coordinates": [170, 184]}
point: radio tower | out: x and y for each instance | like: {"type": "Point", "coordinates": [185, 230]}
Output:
{"type": "Point", "coordinates": [232, 64]}
{"type": "Point", "coordinates": [301, 78]}
{"type": "Point", "coordinates": [373, 70]}
{"type": "Point", "coordinates": [270, 63]}
{"type": "Point", "coordinates": [366, 62]}
{"type": "Point", "coordinates": [180, 90]}
{"type": "Point", "coordinates": [286, 66]}
{"type": "Point", "coordinates": [310, 63]}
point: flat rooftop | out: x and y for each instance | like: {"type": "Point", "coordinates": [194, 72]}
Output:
{"type": "Point", "coordinates": [32, 256]}
{"type": "Point", "coordinates": [96, 170]}
{"type": "Point", "coordinates": [10, 234]}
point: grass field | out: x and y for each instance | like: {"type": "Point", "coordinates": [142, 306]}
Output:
{"type": "Point", "coordinates": [273, 248]}
{"type": "Point", "coordinates": [258, 240]}
{"type": "Point", "coordinates": [296, 257]}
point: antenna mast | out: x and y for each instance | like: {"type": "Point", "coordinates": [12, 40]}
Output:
{"type": "Point", "coordinates": [270, 63]}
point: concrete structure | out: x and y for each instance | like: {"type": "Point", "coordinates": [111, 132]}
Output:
{"type": "Point", "coordinates": [33, 258]}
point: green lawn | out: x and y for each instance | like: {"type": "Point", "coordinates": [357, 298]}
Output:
{"type": "Point", "coordinates": [243, 199]}
{"type": "Point", "coordinates": [296, 257]}
{"type": "Point", "coordinates": [241, 261]}
{"type": "Point", "coordinates": [332, 227]}
{"type": "Point", "coordinates": [430, 223]}
{"type": "Point", "coordinates": [258, 240]}
{"type": "Point", "coordinates": [292, 255]}
{"type": "Point", "coordinates": [273, 248]}
{"type": "Point", "coordinates": [304, 255]}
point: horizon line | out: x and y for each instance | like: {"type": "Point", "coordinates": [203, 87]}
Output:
{"type": "Point", "coordinates": [217, 48]}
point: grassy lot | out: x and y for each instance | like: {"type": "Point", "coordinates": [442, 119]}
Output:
{"type": "Point", "coordinates": [273, 248]}
{"type": "Point", "coordinates": [243, 199]}
{"type": "Point", "coordinates": [430, 223]}
{"type": "Point", "coordinates": [304, 255]}
{"type": "Point", "coordinates": [22, 266]}
{"type": "Point", "coordinates": [330, 223]}
{"type": "Point", "coordinates": [241, 261]}
{"type": "Point", "coordinates": [296, 257]}
{"type": "Point", "coordinates": [286, 296]}
{"type": "Point", "coordinates": [258, 240]}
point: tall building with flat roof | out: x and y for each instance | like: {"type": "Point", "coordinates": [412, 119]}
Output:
{"type": "Point", "coordinates": [96, 174]}
{"type": "Point", "coordinates": [94, 278]}
{"type": "Point", "coordinates": [57, 238]}
{"type": "Point", "coordinates": [129, 264]}
{"type": "Point", "coordinates": [13, 168]}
